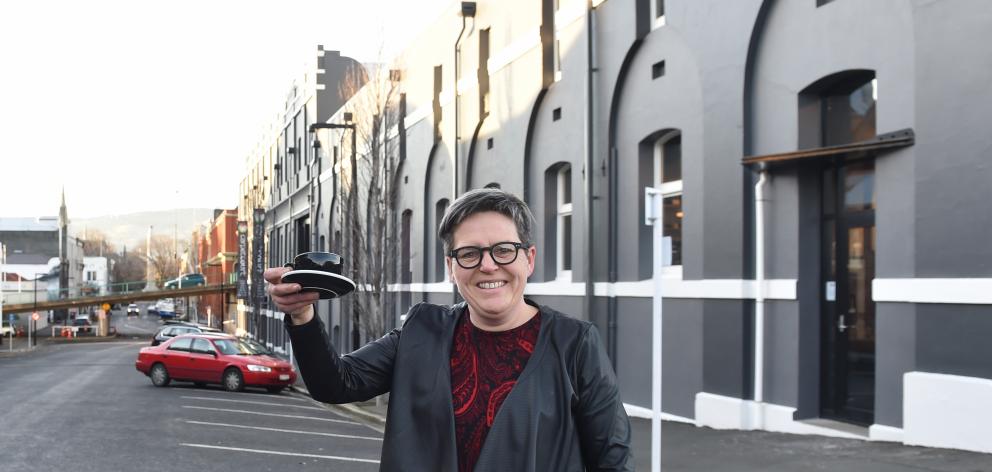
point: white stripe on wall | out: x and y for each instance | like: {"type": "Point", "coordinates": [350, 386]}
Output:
{"type": "Point", "coordinates": [733, 289]}
{"type": "Point", "coordinates": [943, 290]}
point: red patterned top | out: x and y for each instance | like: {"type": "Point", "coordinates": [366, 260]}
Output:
{"type": "Point", "coordinates": [484, 367]}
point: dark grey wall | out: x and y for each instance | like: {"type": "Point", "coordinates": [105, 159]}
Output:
{"type": "Point", "coordinates": [954, 339]}
{"type": "Point", "coordinates": [727, 354]}
{"type": "Point", "coordinates": [682, 353]}
{"type": "Point", "coordinates": [952, 110]}
{"type": "Point", "coordinates": [895, 347]}
{"type": "Point", "coordinates": [781, 378]}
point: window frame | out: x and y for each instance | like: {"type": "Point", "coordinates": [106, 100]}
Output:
{"type": "Point", "coordinates": [657, 21]}
{"type": "Point", "coordinates": [668, 190]}
{"type": "Point", "coordinates": [563, 209]}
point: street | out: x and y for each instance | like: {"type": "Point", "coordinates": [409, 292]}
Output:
{"type": "Point", "coordinates": [84, 406]}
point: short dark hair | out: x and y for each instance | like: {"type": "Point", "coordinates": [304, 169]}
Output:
{"type": "Point", "coordinates": [482, 200]}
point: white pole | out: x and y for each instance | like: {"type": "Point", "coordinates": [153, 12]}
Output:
{"type": "Point", "coordinates": [653, 216]}
{"type": "Point", "coordinates": [759, 299]}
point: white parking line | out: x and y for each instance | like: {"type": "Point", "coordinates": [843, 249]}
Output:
{"type": "Point", "coordinates": [280, 453]}
{"type": "Point", "coordinates": [255, 403]}
{"type": "Point", "coordinates": [278, 430]}
{"type": "Point", "coordinates": [255, 395]}
{"type": "Point", "coordinates": [271, 414]}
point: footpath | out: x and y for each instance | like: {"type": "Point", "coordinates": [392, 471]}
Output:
{"type": "Point", "coordinates": [686, 447]}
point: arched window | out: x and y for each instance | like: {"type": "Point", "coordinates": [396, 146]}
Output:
{"type": "Point", "coordinates": [439, 267]}
{"type": "Point", "coordinates": [668, 177]}
{"type": "Point", "coordinates": [564, 237]}
{"type": "Point", "coordinates": [406, 275]}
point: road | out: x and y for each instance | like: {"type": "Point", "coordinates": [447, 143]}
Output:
{"type": "Point", "coordinates": [85, 407]}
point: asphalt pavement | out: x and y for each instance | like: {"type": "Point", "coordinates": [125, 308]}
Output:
{"type": "Point", "coordinates": [83, 406]}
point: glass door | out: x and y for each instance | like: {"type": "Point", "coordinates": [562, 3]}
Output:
{"type": "Point", "coordinates": [848, 312]}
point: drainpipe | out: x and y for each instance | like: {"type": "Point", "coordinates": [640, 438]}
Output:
{"type": "Point", "coordinates": [588, 172]}
{"type": "Point", "coordinates": [759, 299]}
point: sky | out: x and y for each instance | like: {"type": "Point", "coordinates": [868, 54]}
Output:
{"type": "Point", "coordinates": [136, 106]}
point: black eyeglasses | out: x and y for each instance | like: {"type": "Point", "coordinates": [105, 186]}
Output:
{"type": "Point", "coordinates": [470, 257]}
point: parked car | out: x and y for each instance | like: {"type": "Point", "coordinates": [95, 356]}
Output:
{"type": "Point", "coordinates": [188, 280]}
{"type": "Point", "coordinates": [165, 309]}
{"type": "Point", "coordinates": [172, 330]}
{"type": "Point", "coordinates": [83, 323]}
{"type": "Point", "coordinates": [133, 310]}
{"type": "Point", "coordinates": [214, 359]}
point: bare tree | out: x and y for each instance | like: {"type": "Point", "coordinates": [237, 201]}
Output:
{"type": "Point", "coordinates": [164, 261]}
{"type": "Point", "coordinates": [96, 243]}
{"type": "Point", "coordinates": [369, 193]}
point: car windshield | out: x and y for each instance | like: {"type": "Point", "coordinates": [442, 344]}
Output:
{"type": "Point", "coordinates": [238, 347]}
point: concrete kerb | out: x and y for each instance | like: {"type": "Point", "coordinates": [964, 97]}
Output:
{"type": "Point", "coordinates": [351, 410]}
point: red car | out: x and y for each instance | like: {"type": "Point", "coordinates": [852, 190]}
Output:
{"type": "Point", "coordinates": [212, 358]}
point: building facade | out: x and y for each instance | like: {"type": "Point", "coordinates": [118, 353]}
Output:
{"type": "Point", "coordinates": [824, 174]}
{"type": "Point", "coordinates": [215, 248]}
{"type": "Point", "coordinates": [279, 195]}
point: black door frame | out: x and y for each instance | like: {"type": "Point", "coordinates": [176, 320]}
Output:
{"type": "Point", "coordinates": [835, 226]}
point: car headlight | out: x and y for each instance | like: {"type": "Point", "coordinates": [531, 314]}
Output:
{"type": "Point", "coordinates": [259, 368]}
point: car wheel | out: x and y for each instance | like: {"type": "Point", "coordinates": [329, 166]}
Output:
{"type": "Point", "coordinates": [233, 380]}
{"type": "Point", "coordinates": [160, 376]}
{"type": "Point", "coordinates": [274, 389]}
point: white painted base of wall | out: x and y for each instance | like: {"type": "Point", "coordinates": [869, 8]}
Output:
{"type": "Point", "coordinates": [721, 412]}
{"type": "Point", "coordinates": [951, 411]}
{"type": "Point", "coordinates": [641, 412]}
{"type": "Point", "coordinates": [880, 432]}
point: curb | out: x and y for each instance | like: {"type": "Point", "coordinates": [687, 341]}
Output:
{"type": "Point", "coordinates": [348, 409]}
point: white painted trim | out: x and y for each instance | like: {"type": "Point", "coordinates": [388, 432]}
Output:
{"type": "Point", "coordinates": [436, 287]}
{"type": "Point", "coordinates": [635, 411]}
{"type": "Point", "coordinates": [722, 412]}
{"type": "Point", "coordinates": [880, 432]}
{"type": "Point", "coordinates": [300, 212]}
{"type": "Point", "coordinates": [951, 411]}
{"type": "Point", "coordinates": [556, 287]}
{"type": "Point", "coordinates": [504, 57]}
{"type": "Point", "coordinates": [417, 115]}
{"type": "Point", "coordinates": [325, 175]}
{"type": "Point", "coordinates": [730, 289]}
{"type": "Point", "coordinates": [934, 290]}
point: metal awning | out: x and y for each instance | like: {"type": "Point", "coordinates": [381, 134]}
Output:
{"type": "Point", "coordinates": [896, 139]}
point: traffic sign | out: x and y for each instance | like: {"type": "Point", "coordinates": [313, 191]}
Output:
{"type": "Point", "coordinates": [34, 316]}
{"type": "Point", "coordinates": [106, 307]}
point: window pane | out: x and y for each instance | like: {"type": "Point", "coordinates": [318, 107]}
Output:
{"type": "Point", "coordinates": [566, 236]}
{"type": "Point", "coordinates": [201, 345]}
{"type": "Point", "coordinates": [672, 230]}
{"type": "Point", "coordinates": [850, 113]}
{"type": "Point", "coordinates": [672, 160]}
{"type": "Point", "coordinates": [567, 185]}
{"type": "Point", "coordinates": [859, 187]}
{"type": "Point", "coordinates": [181, 344]}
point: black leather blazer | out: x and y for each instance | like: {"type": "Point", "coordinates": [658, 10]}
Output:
{"type": "Point", "coordinates": [563, 414]}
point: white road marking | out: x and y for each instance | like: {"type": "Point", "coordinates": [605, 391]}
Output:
{"type": "Point", "coordinates": [255, 403]}
{"type": "Point", "coordinates": [280, 453]}
{"type": "Point", "coordinates": [278, 430]}
{"type": "Point", "coordinates": [271, 414]}
{"type": "Point", "coordinates": [256, 395]}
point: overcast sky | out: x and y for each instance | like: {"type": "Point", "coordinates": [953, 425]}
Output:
{"type": "Point", "coordinates": [137, 105]}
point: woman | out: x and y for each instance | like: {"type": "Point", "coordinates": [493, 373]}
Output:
{"type": "Point", "coordinates": [496, 383]}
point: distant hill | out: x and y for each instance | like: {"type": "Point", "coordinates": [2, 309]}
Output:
{"type": "Point", "coordinates": [131, 229]}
